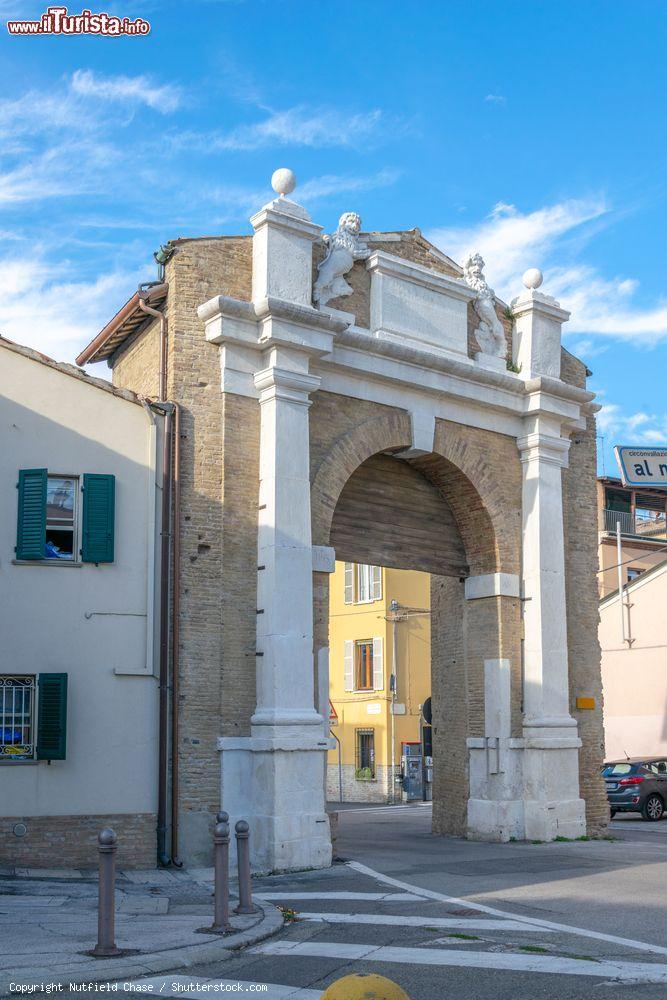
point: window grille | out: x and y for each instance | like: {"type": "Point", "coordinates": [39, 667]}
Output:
{"type": "Point", "coordinates": [365, 754]}
{"type": "Point", "coordinates": [17, 708]}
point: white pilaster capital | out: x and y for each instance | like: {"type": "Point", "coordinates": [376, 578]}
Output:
{"type": "Point", "coordinates": [543, 448]}
{"type": "Point", "coordinates": [281, 383]}
{"type": "Point", "coordinates": [538, 303]}
{"type": "Point", "coordinates": [285, 214]}
{"type": "Point", "coordinates": [492, 585]}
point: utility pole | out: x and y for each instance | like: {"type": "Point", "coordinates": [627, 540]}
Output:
{"type": "Point", "coordinates": [394, 609]}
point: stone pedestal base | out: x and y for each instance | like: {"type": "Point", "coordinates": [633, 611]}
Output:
{"type": "Point", "coordinates": [525, 789]}
{"type": "Point", "coordinates": [277, 785]}
{"type": "Point", "coordinates": [551, 780]}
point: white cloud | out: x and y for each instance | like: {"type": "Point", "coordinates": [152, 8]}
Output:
{"type": "Point", "coordinates": [587, 348]}
{"type": "Point", "coordinates": [619, 427]}
{"type": "Point", "coordinates": [605, 306]}
{"type": "Point", "coordinates": [510, 241]}
{"type": "Point", "coordinates": [495, 99]}
{"type": "Point", "coordinates": [334, 184]}
{"type": "Point", "coordinates": [66, 170]}
{"type": "Point", "coordinates": [73, 105]}
{"type": "Point", "coordinates": [297, 126]}
{"type": "Point", "coordinates": [42, 307]}
{"type": "Point", "coordinates": [127, 89]}
{"type": "Point", "coordinates": [242, 201]}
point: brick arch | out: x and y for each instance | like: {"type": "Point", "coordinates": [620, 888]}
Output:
{"type": "Point", "coordinates": [389, 430]}
{"type": "Point", "coordinates": [479, 474]}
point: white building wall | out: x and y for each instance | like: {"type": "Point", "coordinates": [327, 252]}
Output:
{"type": "Point", "coordinates": [634, 676]}
{"type": "Point", "coordinates": [95, 623]}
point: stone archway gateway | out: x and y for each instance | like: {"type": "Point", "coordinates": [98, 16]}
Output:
{"type": "Point", "coordinates": [361, 396]}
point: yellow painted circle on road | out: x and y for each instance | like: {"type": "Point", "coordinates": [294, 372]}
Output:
{"type": "Point", "coordinates": [364, 987]}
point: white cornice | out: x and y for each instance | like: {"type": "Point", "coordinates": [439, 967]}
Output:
{"type": "Point", "coordinates": [381, 262]}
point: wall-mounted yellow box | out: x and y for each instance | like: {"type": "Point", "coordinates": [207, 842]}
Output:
{"type": "Point", "coordinates": [585, 702]}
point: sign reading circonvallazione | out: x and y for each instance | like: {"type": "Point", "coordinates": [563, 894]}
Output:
{"type": "Point", "coordinates": [642, 466]}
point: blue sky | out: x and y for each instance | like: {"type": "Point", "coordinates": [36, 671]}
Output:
{"type": "Point", "coordinates": [533, 132]}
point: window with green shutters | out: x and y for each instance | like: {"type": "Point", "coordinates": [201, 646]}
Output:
{"type": "Point", "coordinates": [31, 528]}
{"type": "Point", "coordinates": [98, 518]}
{"type": "Point", "coordinates": [54, 525]}
{"type": "Point", "coordinates": [52, 717]}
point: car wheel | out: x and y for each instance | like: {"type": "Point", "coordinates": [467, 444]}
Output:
{"type": "Point", "coordinates": [612, 813]}
{"type": "Point", "coordinates": [653, 808]}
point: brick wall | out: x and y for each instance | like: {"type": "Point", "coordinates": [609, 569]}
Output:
{"type": "Point", "coordinates": [581, 583]}
{"type": "Point", "coordinates": [450, 717]}
{"type": "Point", "coordinates": [71, 841]}
{"type": "Point", "coordinates": [356, 790]}
{"type": "Point", "coordinates": [136, 365]}
{"type": "Point", "coordinates": [219, 463]}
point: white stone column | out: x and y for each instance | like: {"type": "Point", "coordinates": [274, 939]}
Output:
{"type": "Point", "coordinates": [552, 806]}
{"type": "Point", "coordinates": [285, 689]}
{"type": "Point", "coordinates": [545, 627]}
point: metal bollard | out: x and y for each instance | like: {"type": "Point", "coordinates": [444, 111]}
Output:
{"type": "Point", "coordinates": [243, 863]}
{"type": "Point", "coordinates": [221, 923]}
{"type": "Point", "coordinates": [106, 910]}
{"type": "Point", "coordinates": [222, 817]}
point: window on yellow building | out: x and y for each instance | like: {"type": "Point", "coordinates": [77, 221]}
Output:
{"type": "Point", "coordinates": [363, 583]}
{"type": "Point", "coordinates": [365, 755]}
{"type": "Point", "coordinates": [363, 672]}
{"type": "Point", "coordinates": [364, 665]}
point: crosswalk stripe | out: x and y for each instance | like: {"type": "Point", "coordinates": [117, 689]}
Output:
{"type": "Point", "coordinates": [643, 972]}
{"type": "Point", "coordinates": [494, 912]}
{"type": "Point", "coordinates": [384, 897]}
{"type": "Point", "coordinates": [171, 986]}
{"type": "Point", "coordinates": [468, 923]}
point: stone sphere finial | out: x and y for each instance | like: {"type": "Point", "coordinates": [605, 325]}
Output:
{"type": "Point", "coordinates": [106, 838]}
{"type": "Point", "coordinates": [533, 278]}
{"type": "Point", "coordinates": [283, 181]}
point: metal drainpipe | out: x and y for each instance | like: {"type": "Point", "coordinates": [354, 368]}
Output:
{"type": "Point", "coordinates": [175, 637]}
{"type": "Point", "coordinates": [169, 473]}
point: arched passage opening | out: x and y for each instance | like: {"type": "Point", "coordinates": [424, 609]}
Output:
{"type": "Point", "coordinates": [421, 512]}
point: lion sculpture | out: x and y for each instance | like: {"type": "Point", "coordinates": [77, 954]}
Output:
{"type": "Point", "coordinates": [490, 334]}
{"type": "Point", "coordinates": [344, 247]}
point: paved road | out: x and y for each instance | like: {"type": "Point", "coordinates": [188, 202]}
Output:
{"type": "Point", "coordinates": [450, 918]}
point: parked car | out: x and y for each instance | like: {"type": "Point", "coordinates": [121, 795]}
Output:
{"type": "Point", "coordinates": [637, 784]}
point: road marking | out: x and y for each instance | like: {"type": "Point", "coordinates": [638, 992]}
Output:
{"type": "Point", "coordinates": [469, 923]}
{"type": "Point", "coordinates": [642, 972]}
{"type": "Point", "coordinates": [373, 809]}
{"type": "Point", "coordinates": [171, 986]}
{"type": "Point", "coordinates": [494, 912]}
{"type": "Point", "coordinates": [383, 897]}
{"type": "Point", "coordinates": [17, 901]}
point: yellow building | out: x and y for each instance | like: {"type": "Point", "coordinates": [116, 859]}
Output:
{"type": "Point", "coordinates": [367, 606]}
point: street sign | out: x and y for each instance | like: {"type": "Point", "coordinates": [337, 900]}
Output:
{"type": "Point", "coordinates": [333, 714]}
{"type": "Point", "coordinates": [642, 466]}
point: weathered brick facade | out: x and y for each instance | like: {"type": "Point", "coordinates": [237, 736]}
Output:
{"type": "Point", "coordinates": [581, 564]}
{"type": "Point", "coordinates": [52, 841]}
{"type": "Point", "coordinates": [477, 472]}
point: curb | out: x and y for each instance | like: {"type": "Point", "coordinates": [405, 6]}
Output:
{"type": "Point", "coordinates": [112, 970]}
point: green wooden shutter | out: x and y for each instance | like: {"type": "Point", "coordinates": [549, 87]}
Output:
{"type": "Point", "coordinates": [98, 518]}
{"type": "Point", "coordinates": [52, 716]}
{"type": "Point", "coordinates": [31, 526]}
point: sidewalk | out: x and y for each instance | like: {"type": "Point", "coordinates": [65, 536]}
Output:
{"type": "Point", "coordinates": [48, 922]}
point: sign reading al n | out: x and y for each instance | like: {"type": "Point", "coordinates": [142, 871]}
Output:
{"type": "Point", "coordinates": [642, 466]}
